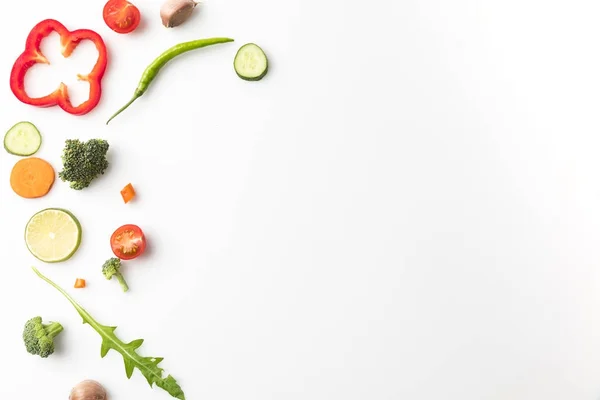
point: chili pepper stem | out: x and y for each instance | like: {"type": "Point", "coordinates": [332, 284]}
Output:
{"type": "Point", "coordinates": [134, 98]}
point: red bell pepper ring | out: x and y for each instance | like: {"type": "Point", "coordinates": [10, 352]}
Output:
{"type": "Point", "coordinates": [69, 41]}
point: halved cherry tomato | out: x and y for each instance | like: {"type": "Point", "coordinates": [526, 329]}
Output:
{"type": "Point", "coordinates": [128, 242]}
{"type": "Point", "coordinates": [121, 16]}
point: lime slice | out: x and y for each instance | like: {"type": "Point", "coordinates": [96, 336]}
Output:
{"type": "Point", "coordinates": [53, 235]}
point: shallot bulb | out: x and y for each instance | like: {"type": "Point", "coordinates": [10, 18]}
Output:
{"type": "Point", "coordinates": [176, 12]}
{"type": "Point", "coordinates": [88, 390]}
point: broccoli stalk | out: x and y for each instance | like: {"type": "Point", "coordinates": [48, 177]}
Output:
{"type": "Point", "coordinates": [83, 162]}
{"type": "Point", "coordinates": [39, 337]}
{"type": "Point", "coordinates": [112, 267]}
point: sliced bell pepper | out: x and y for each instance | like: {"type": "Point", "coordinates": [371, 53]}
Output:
{"type": "Point", "coordinates": [33, 55]}
{"type": "Point", "coordinates": [128, 193]}
{"type": "Point", "coordinates": [79, 283]}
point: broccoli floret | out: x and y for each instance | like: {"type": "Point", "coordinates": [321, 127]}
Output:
{"type": "Point", "coordinates": [112, 267]}
{"type": "Point", "coordinates": [39, 337]}
{"type": "Point", "coordinates": [83, 162]}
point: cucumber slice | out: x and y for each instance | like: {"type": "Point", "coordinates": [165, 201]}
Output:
{"type": "Point", "coordinates": [251, 63]}
{"type": "Point", "coordinates": [23, 139]}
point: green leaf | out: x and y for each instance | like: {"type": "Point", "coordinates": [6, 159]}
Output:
{"type": "Point", "coordinates": [148, 366]}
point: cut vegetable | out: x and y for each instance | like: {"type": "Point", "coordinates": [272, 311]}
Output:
{"type": "Point", "coordinates": [121, 16]}
{"type": "Point", "coordinates": [32, 178]}
{"type": "Point", "coordinates": [128, 193]}
{"type": "Point", "coordinates": [79, 283]}
{"type": "Point", "coordinates": [53, 235]}
{"type": "Point", "coordinates": [128, 242]}
{"type": "Point", "coordinates": [33, 55]}
{"type": "Point", "coordinates": [251, 63]}
{"type": "Point", "coordinates": [112, 268]}
{"type": "Point", "coordinates": [83, 162]}
{"type": "Point", "coordinates": [23, 139]}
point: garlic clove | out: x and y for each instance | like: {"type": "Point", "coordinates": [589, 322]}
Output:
{"type": "Point", "coordinates": [88, 390]}
{"type": "Point", "coordinates": [175, 12]}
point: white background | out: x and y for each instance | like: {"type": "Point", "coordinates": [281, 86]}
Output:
{"type": "Point", "coordinates": [407, 207]}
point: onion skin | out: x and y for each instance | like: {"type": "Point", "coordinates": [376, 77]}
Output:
{"type": "Point", "coordinates": [175, 12]}
{"type": "Point", "coordinates": [88, 390]}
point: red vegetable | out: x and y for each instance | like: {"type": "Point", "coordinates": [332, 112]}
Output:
{"type": "Point", "coordinates": [121, 16]}
{"type": "Point", "coordinates": [128, 242]}
{"type": "Point", "coordinates": [69, 41]}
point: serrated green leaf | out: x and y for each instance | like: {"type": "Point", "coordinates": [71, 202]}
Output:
{"type": "Point", "coordinates": [136, 344]}
{"type": "Point", "coordinates": [148, 366]}
{"type": "Point", "coordinates": [155, 360]}
{"type": "Point", "coordinates": [104, 350]}
{"type": "Point", "coordinates": [129, 367]}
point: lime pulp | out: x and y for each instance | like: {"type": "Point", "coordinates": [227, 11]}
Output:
{"type": "Point", "coordinates": [53, 235]}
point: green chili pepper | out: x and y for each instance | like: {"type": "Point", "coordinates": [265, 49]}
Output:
{"type": "Point", "coordinates": [153, 69]}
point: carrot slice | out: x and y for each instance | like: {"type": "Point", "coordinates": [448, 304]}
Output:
{"type": "Point", "coordinates": [128, 193]}
{"type": "Point", "coordinates": [79, 283]}
{"type": "Point", "coordinates": [32, 177]}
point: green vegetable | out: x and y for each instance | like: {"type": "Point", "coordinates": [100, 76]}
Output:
{"type": "Point", "coordinates": [83, 162]}
{"type": "Point", "coordinates": [112, 267]}
{"type": "Point", "coordinates": [250, 62]}
{"type": "Point", "coordinates": [23, 139]}
{"type": "Point", "coordinates": [39, 337]}
{"type": "Point", "coordinates": [154, 68]}
{"type": "Point", "coordinates": [148, 366]}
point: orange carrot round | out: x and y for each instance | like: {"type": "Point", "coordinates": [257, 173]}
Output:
{"type": "Point", "coordinates": [32, 177]}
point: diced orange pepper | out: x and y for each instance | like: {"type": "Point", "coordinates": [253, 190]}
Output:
{"type": "Point", "coordinates": [79, 283]}
{"type": "Point", "coordinates": [128, 193]}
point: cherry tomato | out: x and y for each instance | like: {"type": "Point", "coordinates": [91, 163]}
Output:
{"type": "Point", "coordinates": [121, 16]}
{"type": "Point", "coordinates": [128, 242]}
